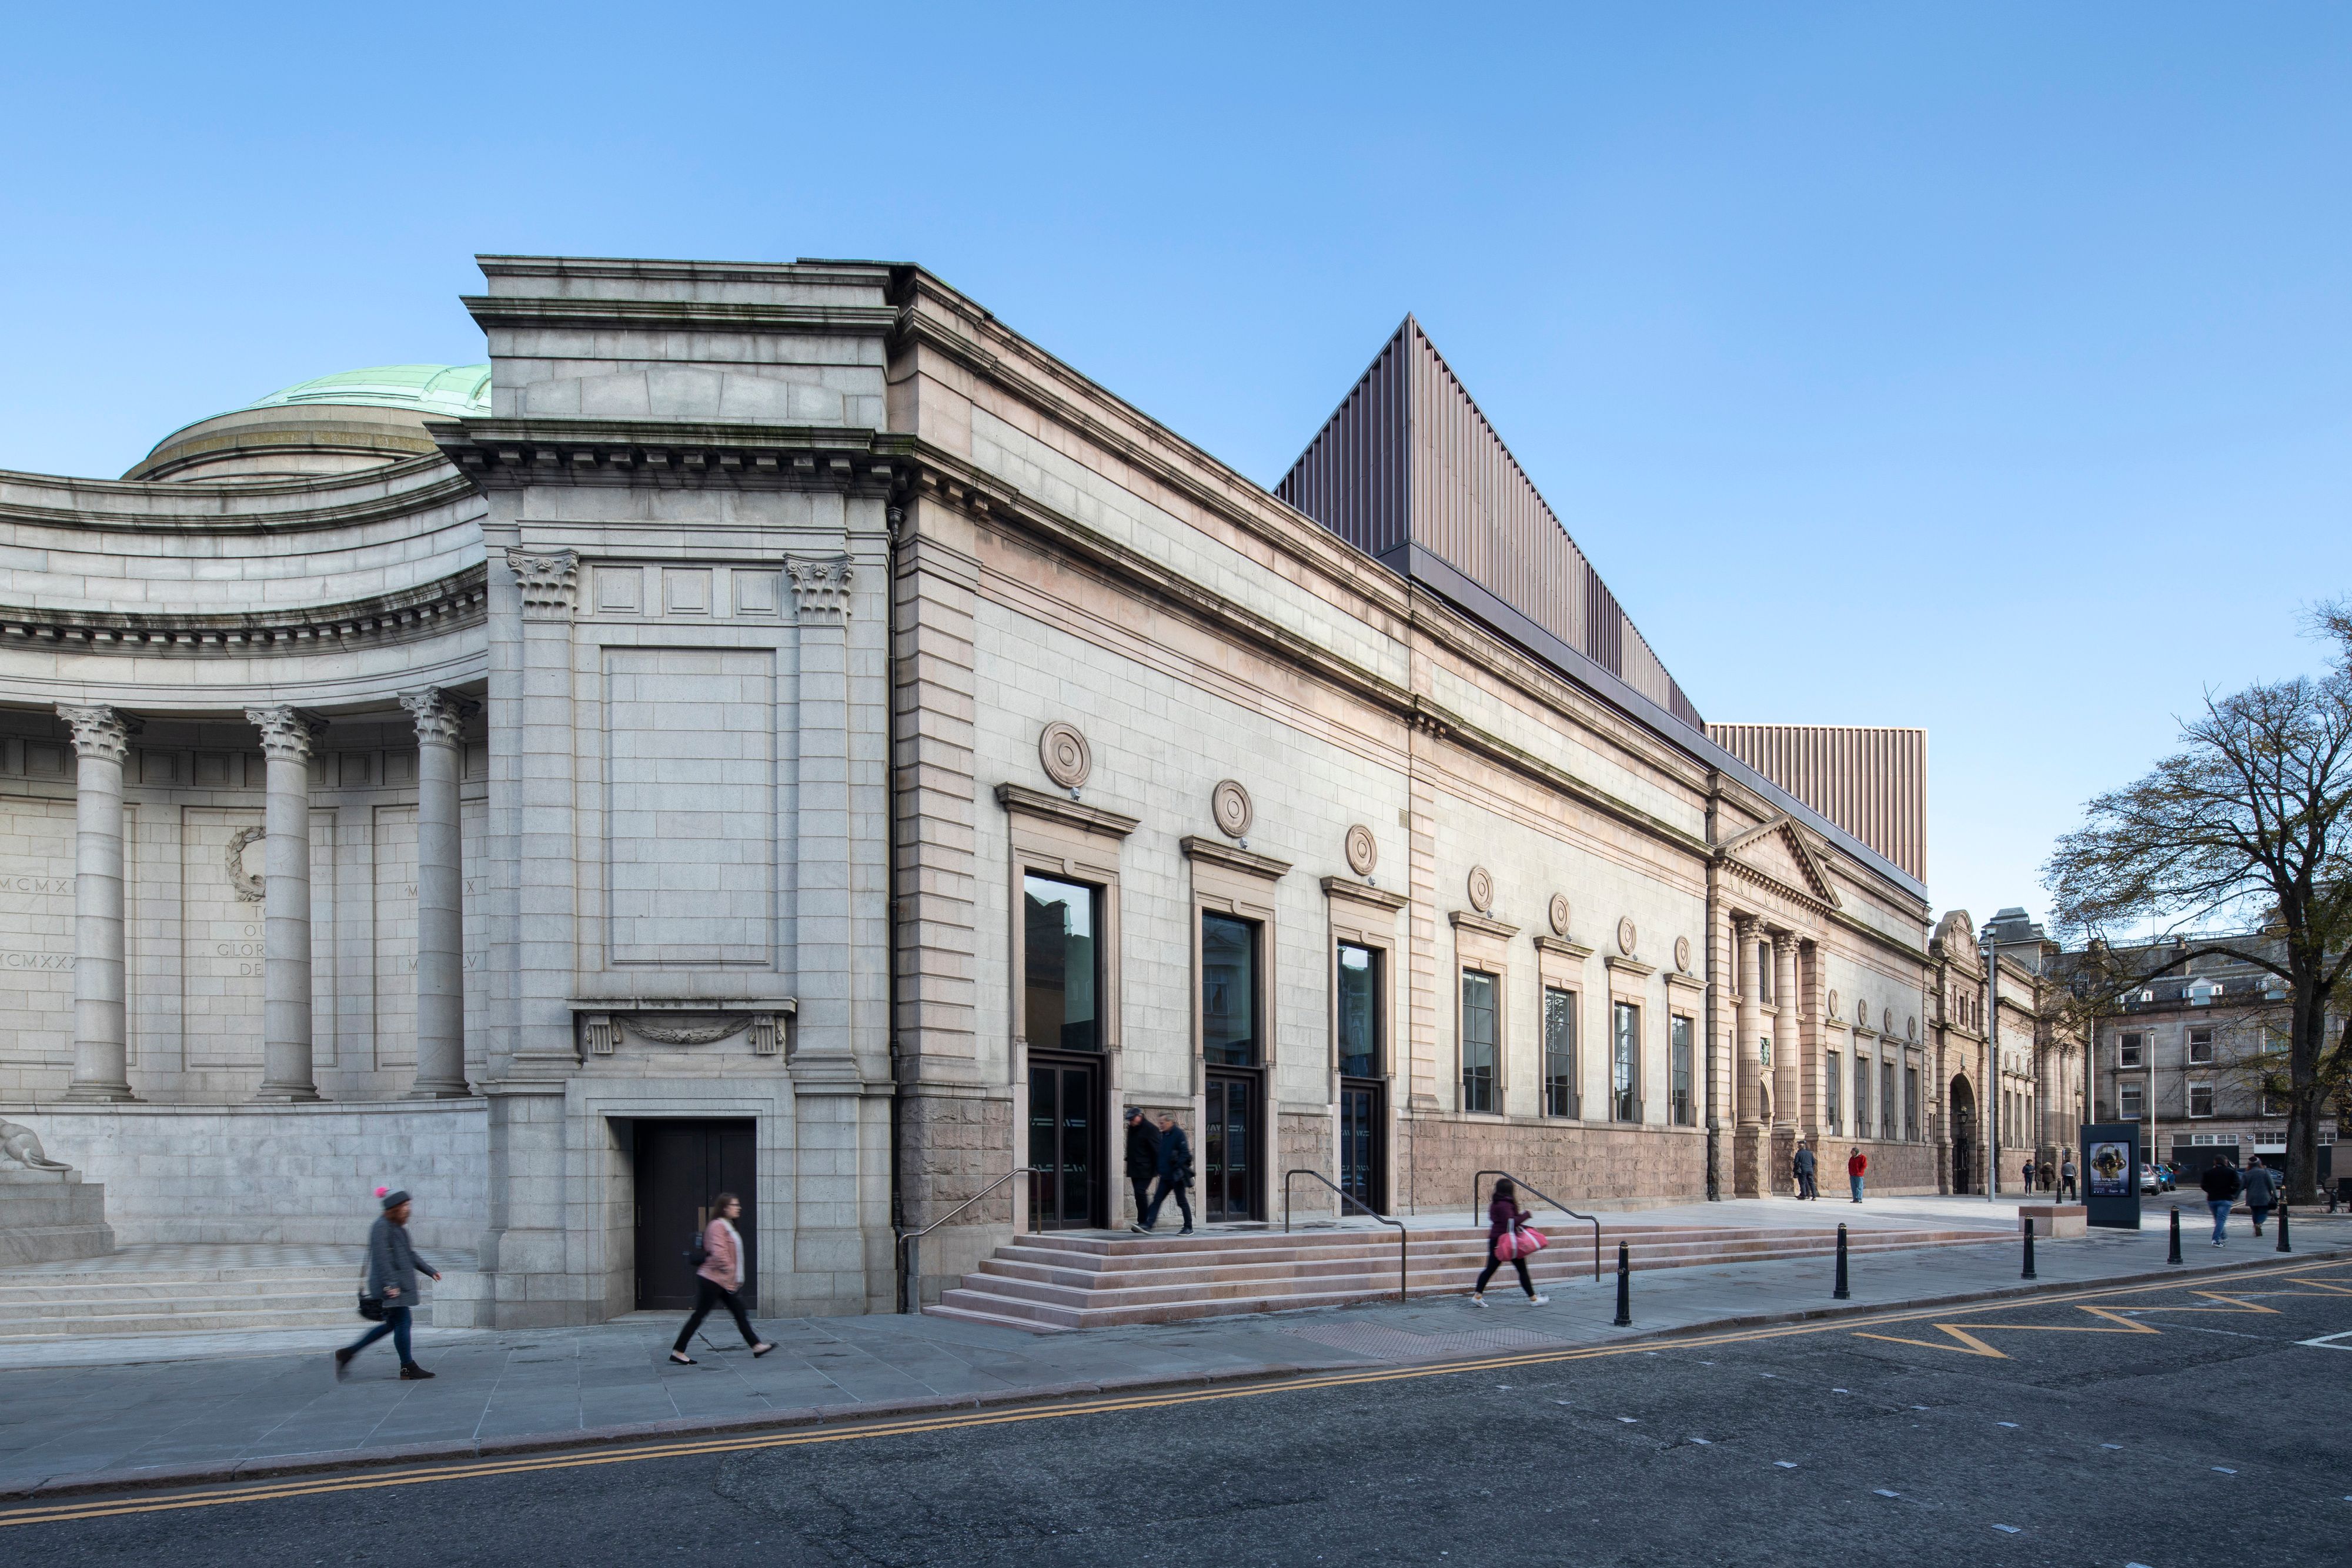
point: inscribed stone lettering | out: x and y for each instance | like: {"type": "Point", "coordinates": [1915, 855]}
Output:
{"type": "Point", "coordinates": [36, 914]}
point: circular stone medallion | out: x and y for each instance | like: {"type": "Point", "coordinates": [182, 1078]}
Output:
{"type": "Point", "coordinates": [1833, 1003]}
{"type": "Point", "coordinates": [1682, 954]}
{"type": "Point", "coordinates": [1482, 889]}
{"type": "Point", "coordinates": [1229, 804]}
{"type": "Point", "coordinates": [1363, 850]}
{"type": "Point", "coordinates": [1625, 935]}
{"type": "Point", "coordinates": [1911, 1026]}
{"type": "Point", "coordinates": [1559, 914]}
{"type": "Point", "coordinates": [1064, 752]}
{"type": "Point", "coordinates": [1886, 1024]}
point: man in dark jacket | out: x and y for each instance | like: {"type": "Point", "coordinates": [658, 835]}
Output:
{"type": "Point", "coordinates": [2259, 1186]}
{"type": "Point", "coordinates": [2221, 1184]}
{"type": "Point", "coordinates": [1175, 1175]}
{"type": "Point", "coordinates": [1142, 1159]}
{"type": "Point", "coordinates": [1804, 1168]}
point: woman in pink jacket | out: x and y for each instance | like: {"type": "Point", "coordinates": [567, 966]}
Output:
{"type": "Point", "coordinates": [720, 1276]}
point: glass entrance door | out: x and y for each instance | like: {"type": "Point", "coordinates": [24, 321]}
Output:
{"type": "Point", "coordinates": [1062, 1132]}
{"type": "Point", "coordinates": [1228, 1147]}
{"type": "Point", "coordinates": [1361, 1177]}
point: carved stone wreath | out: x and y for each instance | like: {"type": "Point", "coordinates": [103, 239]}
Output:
{"type": "Point", "coordinates": [1682, 954]}
{"type": "Point", "coordinates": [248, 887]}
{"type": "Point", "coordinates": [687, 1034]}
{"type": "Point", "coordinates": [1626, 935]}
{"type": "Point", "coordinates": [1064, 753]}
{"type": "Point", "coordinates": [1481, 889]}
{"type": "Point", "coordinates": [1558, 914]}
{"type": "Point", "coordinates": [1363, 850]}
{"type": "Point", "coordinates": [1229, 804]}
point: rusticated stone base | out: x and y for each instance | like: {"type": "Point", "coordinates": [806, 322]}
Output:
{"type": "Point", "coordinates": [952, 1142]}
{"type": "Point", "coordinates": [1440, 1155]}
{"type": "Point", "coordinates": [1305, 1144]}
{"type": "Point", "coordinates": [1747, 1149]}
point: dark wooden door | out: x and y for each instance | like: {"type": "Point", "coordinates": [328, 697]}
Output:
{"type": "Point", "coordinates": [1363, 1175]}
{"type": "Point", "coordinates": [1229, 1139]}
{"type": "Point", "coordinates": [1065, 1139]}
{"type": "Point", "coordinates": [680, 1168]}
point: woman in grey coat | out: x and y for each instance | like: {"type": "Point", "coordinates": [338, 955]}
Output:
{"type": "Point", "coordinates": [392, 1269]}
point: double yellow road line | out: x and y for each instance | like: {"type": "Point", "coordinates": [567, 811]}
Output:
{"type": "Point", "coordinates": [116, 1506]}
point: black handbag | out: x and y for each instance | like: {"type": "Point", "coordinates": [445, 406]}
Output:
{"type": "Point", "coordinates": [372, 1307]}
{"type": "Point", "coordinates": [698, 1252]}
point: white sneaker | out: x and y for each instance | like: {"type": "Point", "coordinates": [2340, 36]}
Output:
{"type": "Point", "coordinates": [1476, 1300]}
{"type": "Point", "coordinates": [1538, 1300]}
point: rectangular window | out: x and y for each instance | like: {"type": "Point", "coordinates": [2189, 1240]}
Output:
{"type": "Point", "coordinates": [1359, 1011]}
{"type": "Point", "coordinates": [1911, 1104]}
{"type": "Point", "coordinates": [1559, 1053]}
{"type": "Point", "coordinates": [1478, 1036]}
{"type": "Point", "coordinates": [2200, 1045]}
{"type": "Point", "coordinates": [2127, 1049]}
{"type": "Point", "coordinates": [1624, 1064]}
{"type": "Point", "coordinates": [2130, 1100]}
{"type": "Point", "coordinates": [1860, 1096]}
{"type": "Point", "coordinates": [1229, 990]}
{"type": "Point", "coordinates": [2201, 1099]}
{"type": "Point", "coordinates": [1061, 964]}
{"type": "Point", "coordinates": [1764, 979]}
{"type": "Point", "coordinates": [1681, 1109]}
{"type": "Point", "coordinates": [1887, 1110]}
{"type": "Point", "coordinates": [1833, 1107]}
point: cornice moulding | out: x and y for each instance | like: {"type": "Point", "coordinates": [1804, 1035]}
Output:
{"type": "Point", "coordinates": [196, 508]}
{"type": "Point", "coordinates": [1246, 862]}
{"type": "Point", "coordinates": [1577, 952]}
{"type": "Point", "coordinates": [1677, 981]}
{"type": "Point", "coordinates": [1471, 920]}
{"type": "Point", "coordinates": [506, 453]}
{"type": "Point", "coordinates": [1633, 967]}
{"type": "Point", "coordinates": [1356, 893]}
{"type": "Point", "coordinates": [1023, 801]}
{"type": "Point", "coordinates": [448, 605]}
{"type": "Point", "coordinates": [492, 311]}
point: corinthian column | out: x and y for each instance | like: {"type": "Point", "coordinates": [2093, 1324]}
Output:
{"type": "Point", "coordinates": [1788, 1033]}
{"type": "Point", "coordinates": [286, 908]}
{"type": "Point", "coordinates": [101, 1037]}
{"type": "Point", "coordinates": [1747, 1022]}
{"type": "Point", "coordinates": [440, 909]}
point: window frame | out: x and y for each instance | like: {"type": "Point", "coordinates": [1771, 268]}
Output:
{"type": "Point", "coordinates": [2136, 1094]}
{"type": "Point", "coordinates": [1097, 902]}
{"type": "Point", "coordinates": [1570, 1083]}
{"type": "Point", "coordinates": [2131, 1049]}
{"type": "Point", "coordinates": [1681, 1051]}
{"type": "Point", "coordinates": [1626, 1107]}
{"type": "Point", "coordinates": [1378, 967]}
{"type": "Point", "coordinates": [2192, 1091]}
{"type": "Point", "coordinates": [1833, 1094]}
{"type": "Point", "coordinates": [1865, 1088]}
{"type": "Point", "coordinates": [2192, 1045]}
{"type": "Point", "coordinates": [1492, 1082]}
{"type": "Point", "coordinates": [1910, 1101]}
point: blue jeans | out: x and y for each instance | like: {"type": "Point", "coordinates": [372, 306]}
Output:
{"type": "Point", "coordinates": [1167, 1189]}
{"type": "Point", "coordinates": [1856, 1182]}
{"type": "Point", "coordinates": [395, 1323]}
{"type": "Point", "coordinates": [2221, 1207]}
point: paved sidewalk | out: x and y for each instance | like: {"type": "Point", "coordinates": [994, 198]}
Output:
{"type": "Point", "coordinates": [163, 1410]}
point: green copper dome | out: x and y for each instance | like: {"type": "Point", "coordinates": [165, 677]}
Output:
{"type": "Point", "coordinates": [441, 392]}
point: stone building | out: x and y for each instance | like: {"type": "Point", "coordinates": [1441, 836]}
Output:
{"type": "Point", "coordinates": [775, 727]}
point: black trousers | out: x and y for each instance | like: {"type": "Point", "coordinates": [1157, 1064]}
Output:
{"type": "Point", "coordinates": [1805, 1187]}
{"type": "Point", "coordinates": [1494, 1264]}
{"type": "Point", "coordinates": [1142, 1186]}
{"type": "Point", "coordinates": [1183, 1204]}
{"type": "Point", "coordinates": [708, 1295]}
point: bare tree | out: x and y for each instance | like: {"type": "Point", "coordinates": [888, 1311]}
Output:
{"type": "Point", "coordinates": [2247, 827]}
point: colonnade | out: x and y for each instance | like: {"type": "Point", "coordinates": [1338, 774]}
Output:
{"type": "Point", "coordinates": [101, 737]}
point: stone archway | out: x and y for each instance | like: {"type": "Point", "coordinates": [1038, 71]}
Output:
{"type": "Point", "coordinates": [1964, 1134]}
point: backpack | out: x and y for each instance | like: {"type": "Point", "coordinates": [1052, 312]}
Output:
{"type": "Point", "coordinates": [698, 1252]}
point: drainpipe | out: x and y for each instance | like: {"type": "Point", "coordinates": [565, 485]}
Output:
{"type": "Point", "coordinates": [1714, 918]}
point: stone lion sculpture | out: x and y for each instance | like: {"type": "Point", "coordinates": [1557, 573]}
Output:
{"type": "Point", "coordinates": [22, 1145]}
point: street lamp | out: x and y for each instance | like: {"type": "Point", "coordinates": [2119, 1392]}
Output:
{"type": "Point", "coordinates": [1991, 955]}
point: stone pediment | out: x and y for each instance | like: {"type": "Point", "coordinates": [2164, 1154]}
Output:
{"type": "Point", "coordinates": [1775, 852]}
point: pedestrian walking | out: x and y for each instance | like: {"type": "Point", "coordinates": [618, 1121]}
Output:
{"type": "Point", "coordinates": [1175, 1177]}
{"type": "Point", "coordinates": [2260, 1185]}
{"type": "Point", "coordinates": [2066, 1175]}
{"type": "Point", "coordinates": [1804, 1169]}
{"type": "Point", "coordinates": [1504, 1217]}
{"type": "Point", "coordinates": [1142, 1159]}
{"type": "Point", "coordinates": [392, 1266]}
{"type": "Point", "coordinates": [1855, 1164]}
{"type": "Point", "coordinates": [719, 1278]}
{"type": "Point", "coordinates": [2029, 1173]}
{"type": "Point", "coordinates": [2221, 1184]}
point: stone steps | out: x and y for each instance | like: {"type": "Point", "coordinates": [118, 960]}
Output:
{"type": "Point", "coordinates": [1047, 1282]}
{"type": "Point", "coordinates": [65, 1303]}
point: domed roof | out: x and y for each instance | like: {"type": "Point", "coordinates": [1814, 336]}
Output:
{"type": "Point", "coordinates": [333, 424]}
{"type": "Point", "coordinates": [444, 391]}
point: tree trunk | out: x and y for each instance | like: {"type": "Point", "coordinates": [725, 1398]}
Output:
{"type": "Point", "coordinates": [2310, 1019]}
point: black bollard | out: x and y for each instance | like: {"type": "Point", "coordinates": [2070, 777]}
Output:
{"type": "Point", "coordinates": [2029, 1252]}
{"type": "Point", "coordinates": [1625, 1289]}
{"type": "Point", "coordinates": [2176, 1237]}
{"type": "Point", "coordinates": [2283, 1246]}
{"type": "Point", "coordinates": [1842, 1293]}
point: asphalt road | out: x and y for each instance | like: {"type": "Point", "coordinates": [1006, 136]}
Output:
{"type": "Point", "coordinates": [2160, 1426]}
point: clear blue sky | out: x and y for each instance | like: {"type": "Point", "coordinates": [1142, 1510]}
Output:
{"type": "Point", "coordinates": [1985, 368]}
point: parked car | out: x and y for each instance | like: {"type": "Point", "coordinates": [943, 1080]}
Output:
{"type": "Point", "coordinates": [2149, 1180]}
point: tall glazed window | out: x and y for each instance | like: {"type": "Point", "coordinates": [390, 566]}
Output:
{"type": "Point", "coordinates": [1062, 964]}
{"type": "Point", "coordinates": [1911, 1104]}
{"type": "Point", "coordinates": [1681, 1109]}
{"type": "Point", "coordinates": [1479, 1033]}
{"type": "Point", "coordinates": [1229, 991]}
{"type": "Point", "coordinates": [1860, 1096]}
{"type": "Point", "coordinates": [1559, 1053]}
{"type": "Point", "coordinates": [1886, 1103]}
{"type": "Point", "coordinates": [1625, 1062]}
{"type": "Point", "coordinates": [1359, 1011]}
{"type": "Point", "coordinates": [1833, 1091]}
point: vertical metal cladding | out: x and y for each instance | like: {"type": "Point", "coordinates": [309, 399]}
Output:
{"type": "Point", "coordinates": [1408, 457]}
{"type": "Point", "coordinates": [1871, 782]}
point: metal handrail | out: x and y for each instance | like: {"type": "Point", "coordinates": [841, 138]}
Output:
{"type": "Point", "coordinates": [1403, 1289]}
{"type": "Point", "coordinates": [909, 1288]}
{"type": "Point", "coordinates": [1525, 1186]}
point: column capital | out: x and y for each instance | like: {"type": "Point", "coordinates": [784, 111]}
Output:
{"type": "Point", "coordinates": [437, 715]}
{"type": "Point", "coordinates": [821, 587]}
{"type": "Point", "coordinates": [550, 581]}
{"type": "Point", "coordinates": [1785, 942]}
{"type": "Point", "coordinates": [1745, 925]}
{"type": "Point", "coordinates": [99, 731]}
{"type": "Point", "coordinates": [285, 732]}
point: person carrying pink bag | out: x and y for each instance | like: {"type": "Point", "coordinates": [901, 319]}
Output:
{"type": "Point", "coordinates": [1503, 1220]}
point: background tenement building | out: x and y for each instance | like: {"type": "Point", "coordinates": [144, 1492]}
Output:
{"type": "Point", "coordinates": [772, 726]}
